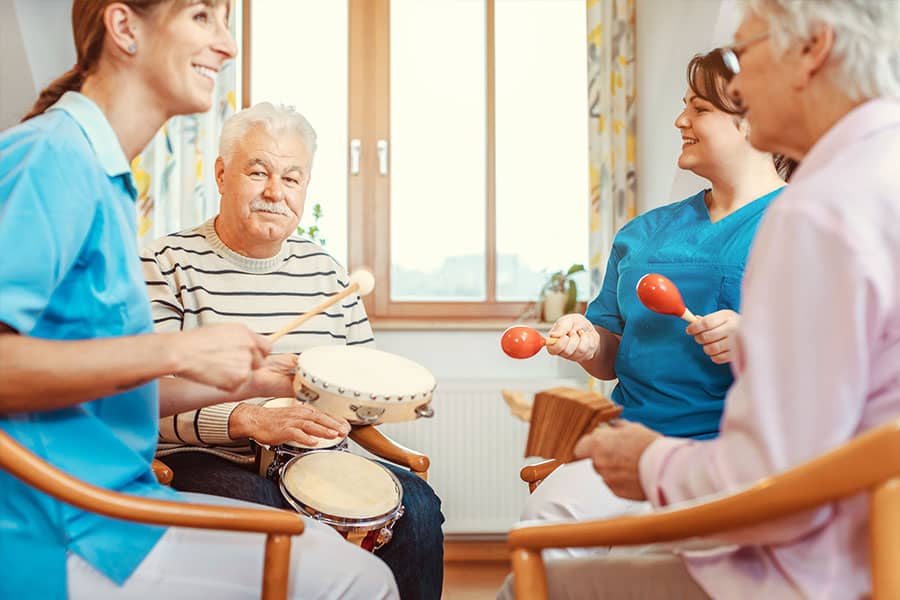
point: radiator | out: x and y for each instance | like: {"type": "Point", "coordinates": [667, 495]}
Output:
{"type": "Point", "coordinates": [475, 446]}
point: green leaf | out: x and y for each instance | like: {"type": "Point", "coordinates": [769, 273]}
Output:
{"type": "Point", "coordinates": [571, 296]}
{"type": "Point", "coordinates": [576, 268]}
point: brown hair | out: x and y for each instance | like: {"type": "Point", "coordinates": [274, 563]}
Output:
{"type": "Point", "coordinates": [89, 31]}
{"type": "Point", "coordinates": [708, 78]}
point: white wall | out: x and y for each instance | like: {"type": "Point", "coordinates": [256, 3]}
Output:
{"type": "Point", "coordinates": [17, 91]}
{"type": "Point", "coordinates": [669, 33]}
{"type": "Point", "coordinates": [48, 39]}
{"type": "Point", "coordinates": [35, 47]}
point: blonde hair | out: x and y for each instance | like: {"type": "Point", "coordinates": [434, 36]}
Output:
{"type": "Point", "coordinates": [88, 32]}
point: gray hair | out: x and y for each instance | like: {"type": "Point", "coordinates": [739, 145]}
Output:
{"type": "Point", "coordinates": [276, 120]}
{"type": "Point", "coordinates": [866, 52]}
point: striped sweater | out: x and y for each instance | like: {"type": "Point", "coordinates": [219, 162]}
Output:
{"type": "Point", "coordinates": [194, 279]}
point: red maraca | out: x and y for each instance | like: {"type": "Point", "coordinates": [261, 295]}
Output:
{"type": "Point", "coordinates": [660, 295]}
{"type": "Point", "coordinates": [523, 342]}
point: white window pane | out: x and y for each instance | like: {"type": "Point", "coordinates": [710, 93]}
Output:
{"type": "Point", "coordinates": [438, 133]}
{"type": "Point", "coordinates": [299, 57]}
{"type": "Point", "coordinates": [543, 187]}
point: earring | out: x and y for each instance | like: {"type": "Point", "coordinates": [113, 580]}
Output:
{"type": "Point", "coordinates": [132, 48]}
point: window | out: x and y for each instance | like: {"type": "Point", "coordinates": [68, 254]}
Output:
{"type": "Point", "coordinates": [453, 152]}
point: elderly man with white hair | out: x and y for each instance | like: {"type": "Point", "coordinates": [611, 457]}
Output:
{"type": "Point", "coordinates": [247, 265]}
{"type": "Point", "coordinates": [818, 355]}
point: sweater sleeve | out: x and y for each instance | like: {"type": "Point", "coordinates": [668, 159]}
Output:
{"type": "Point", "coordinates": [165, 302]}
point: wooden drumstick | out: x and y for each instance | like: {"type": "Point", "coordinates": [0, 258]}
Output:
{"type": "Point", "coordinates": [361, 281]}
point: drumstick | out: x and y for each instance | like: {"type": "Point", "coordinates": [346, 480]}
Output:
{"type": "Point", "coordinates": [361, 281]}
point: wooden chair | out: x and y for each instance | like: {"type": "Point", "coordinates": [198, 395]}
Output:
{"type": "Point", "coordinates": [384, 447]}
{"type": "Point", "coordinates": [534, 474]}
{"type": "Point", "coordinates": [278, 525]}
{"type": "Point", "coordinates": [868, 463]}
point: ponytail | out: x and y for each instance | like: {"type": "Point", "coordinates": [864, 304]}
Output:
{"type": "Point", "coordinates": [70, 81]}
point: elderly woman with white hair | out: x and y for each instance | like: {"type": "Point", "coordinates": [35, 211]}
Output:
{"type": "Point", "coordinates": [819, 82]}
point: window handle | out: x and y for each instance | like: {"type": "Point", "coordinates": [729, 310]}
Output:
{"type": "Point", "coordinates": [355, 146]}
{"type": "Point", "coordinates": [382, 147]}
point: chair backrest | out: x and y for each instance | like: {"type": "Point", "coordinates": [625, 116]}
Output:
{"type": "Point", "coordinates": [279, 525]}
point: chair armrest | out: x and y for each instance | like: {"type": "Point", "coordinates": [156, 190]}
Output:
{"type": "Point", "coordinates": [840, 473]}
{"type": "Point", "coordinates": [534, 474]}
{"type": "Point", "coordinates": [383, 447]}
{"type": "Point", "coordinates": [22, 464]}
{"type": "Point", "coordinates": [162, 471]}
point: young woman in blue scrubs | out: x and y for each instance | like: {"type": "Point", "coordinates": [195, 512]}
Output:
{"type": "Point", "coordinates": [80, 365]}
{"type": "Point", "coordinates": [671, 379]}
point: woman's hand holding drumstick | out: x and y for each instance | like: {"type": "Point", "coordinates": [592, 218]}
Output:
{"type": "Point", "coordinates": [361, 282]}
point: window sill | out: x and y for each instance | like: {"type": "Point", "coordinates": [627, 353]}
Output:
{"type": "Point", "coordinates": [452, 325]}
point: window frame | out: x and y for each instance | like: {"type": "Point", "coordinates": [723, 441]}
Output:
{"type": "Point", "coordinates": [368, 210]}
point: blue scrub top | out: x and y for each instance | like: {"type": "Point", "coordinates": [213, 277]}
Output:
{"type": "Point", "coordinates": [70, 271]}
{"type": "Point", "coordinates": [666, 381]}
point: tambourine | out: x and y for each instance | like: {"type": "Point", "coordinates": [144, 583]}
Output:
{"type": "Point", "coordinates": [363, 385]}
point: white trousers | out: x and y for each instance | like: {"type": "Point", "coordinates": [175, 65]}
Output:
{"type": "Point", "coordinates": [575, 492]}
{"type": "Point", "coordinates": [200, 563]}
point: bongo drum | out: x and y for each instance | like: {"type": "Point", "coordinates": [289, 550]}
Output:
{"type": "Point", "coordinates": [356, 496]}
{"type": "Point", "coordinates": [270, 459]}
{"type": "Point", "coordinates": [363, 385]}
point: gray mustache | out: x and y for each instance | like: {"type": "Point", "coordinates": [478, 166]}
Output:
{"type": "Point", "coordinates": [270, 207]}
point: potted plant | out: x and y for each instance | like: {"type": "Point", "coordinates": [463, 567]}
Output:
{"type": "Point", "coordinates": [560, 293]}
{"type": "Point", "coordinates": [313, 233]}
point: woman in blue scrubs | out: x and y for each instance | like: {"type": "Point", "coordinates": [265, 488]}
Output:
{"type": "Point", "coordinates": [670, 379]}
{"type": "Point", "coordinates": [80, 363]}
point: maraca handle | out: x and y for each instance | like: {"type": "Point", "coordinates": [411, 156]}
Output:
{"type": "Point", "coordinates": [689, 316]}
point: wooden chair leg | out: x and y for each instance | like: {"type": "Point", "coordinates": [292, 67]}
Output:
{"type": "Point", "coordinates": [884, 531]}
{"type": "Point", "coordinates": [529, 579]}
{"type": "Point", "coordinates": [276, 567]}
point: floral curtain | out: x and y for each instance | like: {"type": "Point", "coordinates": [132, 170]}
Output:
{"type": "Point", "coordinates": [611, 51]}
{"type": "Point", "coordinates": [175, 173]}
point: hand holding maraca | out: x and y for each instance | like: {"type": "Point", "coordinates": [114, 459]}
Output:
{"type": "Point", "coordinates": [572, 337]}
{"type": "Point", "coordinates": [715, 332]}
{"type": "Point", "coordinates": [576, 338]}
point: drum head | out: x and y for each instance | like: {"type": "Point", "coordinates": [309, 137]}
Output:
{"type": "Point", "coordinates": [320, 443]}
{"type": "Point", "coordinates": [341, 484]}
{"type": "Point", "coordinates": [366, 371]}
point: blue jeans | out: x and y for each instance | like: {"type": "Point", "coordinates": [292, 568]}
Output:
{"type": "Point", "coordinates": [415, 554]}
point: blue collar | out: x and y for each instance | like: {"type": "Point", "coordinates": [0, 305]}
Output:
{"type": "Point", "coordinates": [100, 134]}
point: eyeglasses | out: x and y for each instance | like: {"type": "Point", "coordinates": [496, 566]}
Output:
{"type": "Point", "coordinates": [731, 54]}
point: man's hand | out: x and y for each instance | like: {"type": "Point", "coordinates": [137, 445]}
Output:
{"type": "Point", "coordinates": [222, 356]}
{"type": "Point", "coordinates": [715, 332]}
{"type": "Point", "coordinates": [273, 426]}
{"type": "Point", "coordinates": [273, 379]}
{"type": "Point", "coordinates": [576, 338]}
{"type": "Point", "coordinates": [616, 453]}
